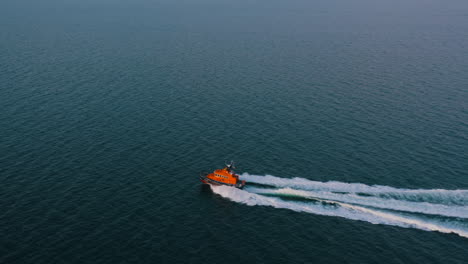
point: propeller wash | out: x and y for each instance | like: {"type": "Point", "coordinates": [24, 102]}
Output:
{"type": "Point", "coordinates": [439, 210]}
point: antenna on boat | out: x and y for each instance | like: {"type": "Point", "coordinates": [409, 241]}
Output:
{"type": "Point", "coordinates": [230, 165]}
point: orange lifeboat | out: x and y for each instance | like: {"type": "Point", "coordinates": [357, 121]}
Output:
{"type": "Point", "coordinates": [225, 176]}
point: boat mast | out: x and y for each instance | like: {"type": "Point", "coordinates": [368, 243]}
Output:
{"type": "Point", "coordinates": [230, 166]}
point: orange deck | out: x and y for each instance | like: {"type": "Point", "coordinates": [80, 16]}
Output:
{"type": "Point", "coordinates": [224, 176]}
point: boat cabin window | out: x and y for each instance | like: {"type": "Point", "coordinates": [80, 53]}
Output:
{"type": "Point", "coordinates": [222, 176]}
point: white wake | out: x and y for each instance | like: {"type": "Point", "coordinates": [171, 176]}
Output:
{"type": "Point", "coordinates": [435, 196]}
{"type": "Point", "coordinates": [432, 210]}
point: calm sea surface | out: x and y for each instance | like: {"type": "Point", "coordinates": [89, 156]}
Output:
{"type": "Point", "coordinates": [348, 120]}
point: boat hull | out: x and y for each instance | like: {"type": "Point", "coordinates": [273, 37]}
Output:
{"type": "Point", "coordinates": [206, 180]}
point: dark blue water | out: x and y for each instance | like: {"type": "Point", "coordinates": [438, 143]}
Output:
{"type": "Point", "coordinates": [110, 109]}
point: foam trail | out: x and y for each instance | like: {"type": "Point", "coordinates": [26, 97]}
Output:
{"type": "Point", "coordinates": [343, 210]}
{"type": "Point", "coordinates": [434, 196]}
{"type": "Point", "coordinates": [392, 204]}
